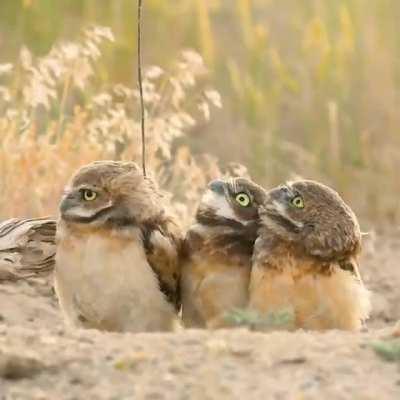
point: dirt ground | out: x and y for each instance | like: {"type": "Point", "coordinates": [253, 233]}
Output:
{"type": "Point", "coordinates": [41, 359]}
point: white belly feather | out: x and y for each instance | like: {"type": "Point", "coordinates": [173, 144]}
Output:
{"type": "Point", "coordinates": [106, 283]}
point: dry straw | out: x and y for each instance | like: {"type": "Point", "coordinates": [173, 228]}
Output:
{"type": "Point", "coordinates": [56, 115]}
{"type": "Point", "coordinates": [140, 81]}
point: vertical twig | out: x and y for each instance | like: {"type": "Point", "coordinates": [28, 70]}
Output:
{"type": "Point", "coordinates": [64, 97]}
{"type": "Point", "coordinates": [142, 111]}
{"type": "Point", "coordinates": [334, 145]}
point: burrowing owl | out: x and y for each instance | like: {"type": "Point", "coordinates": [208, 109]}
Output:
{"type": "Point", "coordinates": [305, 258]}
{"type": "Point", "coordinates": [219, 247]}
{"type": "Point", "coordinates": [117, 251]}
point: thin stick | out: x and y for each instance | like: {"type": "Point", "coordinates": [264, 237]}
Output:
{"type": "Point", "coordinates": [139, 70]}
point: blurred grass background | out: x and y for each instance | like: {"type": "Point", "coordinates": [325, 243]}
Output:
{"type": "Point", "coordinates": [310, 88]}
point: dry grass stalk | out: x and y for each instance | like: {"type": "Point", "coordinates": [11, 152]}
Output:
{"type": "Point", "coordinates": [55, 119]}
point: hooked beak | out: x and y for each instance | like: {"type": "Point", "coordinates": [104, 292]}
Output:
{"type": "Point", "coordinates": [217, 186]}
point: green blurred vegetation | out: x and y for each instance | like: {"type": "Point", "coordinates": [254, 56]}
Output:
{"type": "Point", "coordinates": [388, 350]}
{"type": "Point", "coordinates": [309, 87]}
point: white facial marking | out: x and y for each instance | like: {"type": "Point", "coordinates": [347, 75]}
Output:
{"type": "Point", "coordinates": [282, 211]}
{"type": "Point", "coordinates": [84, 212]}
{"type": "Point", "coordinates": [279, 207]}
{"type": "Point", "coordinates": [219, 203]}
{"type": "Point", "coordinates": [81, 211]}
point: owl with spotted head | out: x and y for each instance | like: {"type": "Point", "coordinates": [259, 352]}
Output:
{"type": "Point", "coordinates": [117, 259]}
{"type": "Point", "coordinates": [218, 250]}
{"type": "Point", "coordinates": [306, 258]}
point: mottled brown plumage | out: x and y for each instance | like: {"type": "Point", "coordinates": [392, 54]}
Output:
{"type": "Point", "coordinates": [117, 261]}
{"type": "Point", "coordinates": [305, 258]}
{"type": "Point", "coordinates": [27, 248]}
{"type": "Point", "coordinates": [219, 247]}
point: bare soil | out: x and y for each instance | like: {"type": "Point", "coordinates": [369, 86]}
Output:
{"type": "Point", "coordinates": [41, 359]}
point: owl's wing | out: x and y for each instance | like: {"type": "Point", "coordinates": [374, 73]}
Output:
{"type": "Point", "coordinates": [27, 248]}
{"type": "Point", "coordinates": [351, 265]}
{"type": "Point", "coordinates": [162, 240]}
{"type": "Point", "coordinates": [364, 295]}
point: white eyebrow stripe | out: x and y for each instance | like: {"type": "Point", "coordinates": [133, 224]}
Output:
{"type": "Point", "coordinates": [87, 186]}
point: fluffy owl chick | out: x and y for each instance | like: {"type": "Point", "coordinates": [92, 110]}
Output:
{"type": "Point", "coordinates": [218, 251]}
{"type": "Point", "coordinates": [117, 251]}
{"type": "Point", "coordinates": [305, 259]}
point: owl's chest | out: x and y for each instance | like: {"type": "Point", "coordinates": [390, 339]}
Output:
{"type": "Point", "coordinates": [108, 263]}
{"type": "Point", "coordinates": [106, 281]}
{"type": "Point", "coordinates": [320, 297]}
{"type": "Point", "coordinates": [210, 289]}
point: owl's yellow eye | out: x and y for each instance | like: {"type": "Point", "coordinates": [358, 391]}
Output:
{"type": "Point", "coordinates": [297, 202]}
{"type": "Point", "coordinates": [88, 195]}
{"type": "Point", "coordinates": [243, 199]}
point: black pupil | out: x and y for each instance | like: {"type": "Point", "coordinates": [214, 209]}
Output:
{"type": "Point", "coordinates": [242, 198]}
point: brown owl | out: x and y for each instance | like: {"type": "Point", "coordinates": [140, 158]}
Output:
{"type": "Point", "coordinates": [117, 251]}
{"type": "Point", "coordinates": [305, 258]}
{"type": "Point", "coordinates": [219, 247]}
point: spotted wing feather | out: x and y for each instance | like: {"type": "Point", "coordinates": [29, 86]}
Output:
{"type": "Point", "coordinates": [162, 240]}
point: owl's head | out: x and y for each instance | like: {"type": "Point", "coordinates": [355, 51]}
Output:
{"type": "Point", "coordinates": [108, 193]}
{"type": "Point", "coordinates": [232, 203]}
{"type": "Point", "coordinates": [314, 216]}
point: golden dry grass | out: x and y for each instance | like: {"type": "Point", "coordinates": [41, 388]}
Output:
{"type": "Point", "coordinates": [309, 88]}
{"type": "Point", "coordinates": [55, 119]}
